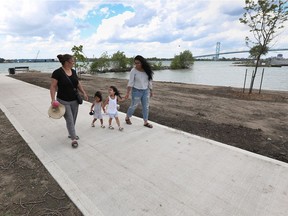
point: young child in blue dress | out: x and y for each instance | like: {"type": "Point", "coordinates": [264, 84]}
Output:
{"type": "Point", "coordinates": [96, 109]}
{"type": "Point", "coordinates": [112, 106]}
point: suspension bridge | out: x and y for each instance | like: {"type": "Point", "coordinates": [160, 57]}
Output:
{"type": "Point", "coordinates": [218, 53]}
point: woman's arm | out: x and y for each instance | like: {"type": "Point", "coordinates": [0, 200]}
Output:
{"type": "Point", "coordinates": [128, 92]}
{"type": "Point", "coordinates": [53, 88]}
{"type": "Point", "coordinates": [130, 83]}
{"type": "Point", "coordinates": [80, 87]}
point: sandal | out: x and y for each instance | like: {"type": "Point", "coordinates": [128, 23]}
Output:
{"type": "Point", "coordinates": [111, 128]}
{"type": "Point", "coordinates": [148, 125]}
{"type": "Point", "coordinates": [102, 126]}
{"type": "Point", "coordinates": [121, 129]}
{"type": "Point", "coordinates": [128, 121]}
{"type": "Point", "coordinates": [77, 137]}
{"type": "Point", "coordinates": [74, 144]}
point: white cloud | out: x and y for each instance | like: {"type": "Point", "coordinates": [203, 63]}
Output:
{"type": "Point", "coordinates": [159, 28]}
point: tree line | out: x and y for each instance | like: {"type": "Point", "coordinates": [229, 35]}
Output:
{"type": "Point", "coordinates": [119, 62]}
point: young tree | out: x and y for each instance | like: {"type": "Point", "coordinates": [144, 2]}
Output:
{"type": "Point", "coordinates": [264, 18]}
{"type": "Point", "coordinates": [81, 60]}
{"type": "Point", "coordinates": [182, 61]}
{"type": "Point", "coordinates": [102, 64]}
{"type": "Point", "coordinates": [119, 61]}
{"type": "Point", "coordinates": [156, 65]}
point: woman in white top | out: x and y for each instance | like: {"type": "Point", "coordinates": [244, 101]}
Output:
{"type": "Point", "coordinates": [140, 84]}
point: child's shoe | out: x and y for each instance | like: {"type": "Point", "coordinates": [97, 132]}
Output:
{"type": "Point", "coordinates": [110, 127]}
{"type": "Point", "coordinates": [92, 125]}
{"type": "Point", "coordinates": [102, 126]}
{"type": "Point", "coordinates": [121, 129]}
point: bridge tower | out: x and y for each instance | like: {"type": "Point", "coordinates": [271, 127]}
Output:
{"type": "Point", "coordinates": [217, 51]}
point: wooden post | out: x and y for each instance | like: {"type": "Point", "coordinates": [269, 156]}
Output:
{"type": "Point", "coordinates": [245, 80]}
{"type": "Point", "coordinates": [261, 81]}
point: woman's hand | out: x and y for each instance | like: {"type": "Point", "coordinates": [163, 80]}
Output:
{"type": "Point", "coordinates": [86, 96]}
{"type": "Point", "coordinates": [126, 96]}
{"type": "Point", "coordinates": [128, 92]}
{"type": "Point", "coordinates": [80, 87]}
{"type": "Point", "coordinates": [52, 101]}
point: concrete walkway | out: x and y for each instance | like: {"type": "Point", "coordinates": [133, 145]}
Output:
{"type": "Point", "coordinates": [142, 171]}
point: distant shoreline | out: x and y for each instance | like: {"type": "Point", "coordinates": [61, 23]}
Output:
{"type": "Point", "coordinates": [180, 84]}
{"type": "Point", "coordinates": [208, 73]}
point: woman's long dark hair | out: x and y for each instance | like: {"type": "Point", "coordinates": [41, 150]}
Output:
{"type": "Point", "coordinates": [146, 66]}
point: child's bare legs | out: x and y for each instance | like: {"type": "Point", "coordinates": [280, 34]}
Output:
{"type": "Point", "coordinates": [101, 121]}
{"type": "Point", "coordinates": [110, 122]}
{"type": "Point", "coordinates": [94, 120]}
{"type": "Point", "coordinates": [118, 123]}
{"type": "Point", "coordinates": [92, 124]}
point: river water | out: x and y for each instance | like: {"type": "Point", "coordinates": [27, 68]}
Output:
{"type": "Point", "coordinates": [214, 73]}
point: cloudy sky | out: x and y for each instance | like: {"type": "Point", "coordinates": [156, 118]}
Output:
{"type": "Point", "coordinates": [160, 28]}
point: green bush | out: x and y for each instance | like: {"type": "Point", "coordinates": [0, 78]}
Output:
{"type": "Point", "coordinates": [182, 61]}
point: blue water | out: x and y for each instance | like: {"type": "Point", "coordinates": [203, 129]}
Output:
{"type": "Point", "coordinates": [214, 73]}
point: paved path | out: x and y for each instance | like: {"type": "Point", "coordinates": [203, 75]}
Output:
{"type": "Point", "coordinates": [142, 171]}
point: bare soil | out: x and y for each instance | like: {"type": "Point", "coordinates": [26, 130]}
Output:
{"type": "Point", "coordinates": [26, 187]}
{"type": "Point", "coordinates": [254, 122]}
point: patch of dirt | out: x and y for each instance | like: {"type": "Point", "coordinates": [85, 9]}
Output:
{"type": "Point", "coordinates": [26, 187]}
{"type": "Point", "coordinates": [254, 122]}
